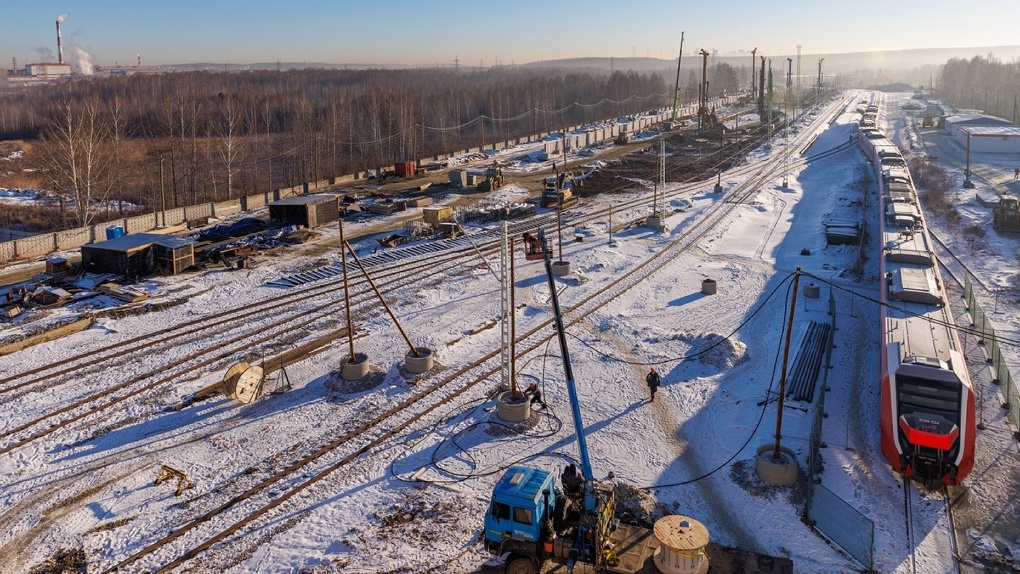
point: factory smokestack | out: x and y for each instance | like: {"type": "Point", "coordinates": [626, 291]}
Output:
{"type": "Point", "coordinates": [60, 49]}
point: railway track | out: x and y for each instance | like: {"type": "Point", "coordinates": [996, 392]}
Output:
{"type": "Point", "coordinates": [966, 271]}
{"type": "Point", "coordinates": [922, 539]}
{"type": "Point", "coordinates": [375, 431]}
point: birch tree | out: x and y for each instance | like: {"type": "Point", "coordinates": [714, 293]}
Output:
{"type": "Point", "coordinates": [76, 155]}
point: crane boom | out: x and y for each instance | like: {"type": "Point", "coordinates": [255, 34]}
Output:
{"type": "Point", "coordinates": [568, 372]}
{"type": "Point", "coordinates": [676, 90]}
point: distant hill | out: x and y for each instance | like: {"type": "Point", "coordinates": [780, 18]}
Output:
{"type": "Point", "coordinates": [833, 64]}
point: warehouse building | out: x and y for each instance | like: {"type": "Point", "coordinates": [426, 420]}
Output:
{"type": "Point", "coordinates": [139, 255]}
{"type": "Point", "coordinates": [311, 211]}
{"type": "Point", "coordinates": [990, 139]}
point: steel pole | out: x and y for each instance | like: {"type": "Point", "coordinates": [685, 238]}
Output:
{"type": "Point", "coordinates": [786, 356]}
{"type": "Point", "coordinates": [347, 292]}
{"type": "Point", "coordinates": [381, 300]}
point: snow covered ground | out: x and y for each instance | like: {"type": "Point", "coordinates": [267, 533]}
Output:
{"type": "Point", "coordinates": [417, 505]}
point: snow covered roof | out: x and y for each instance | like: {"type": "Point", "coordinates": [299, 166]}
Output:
{"type": "Point", "coordinates": [997, 131]}
{"type": "Point", "coordinates": [137, 240]}
{"type": "Point", "coordinates": [975, 120]}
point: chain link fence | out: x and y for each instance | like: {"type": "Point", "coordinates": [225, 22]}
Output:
{"type": "Point", "coordinates": [986, 334]}
{"type": "Point", "coordinates": [831, 515]}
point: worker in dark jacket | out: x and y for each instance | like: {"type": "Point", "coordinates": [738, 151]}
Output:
{"type": "Point", "coordinates": [535, 394]}
{"type": "Point", "coordinates": [653, 380]}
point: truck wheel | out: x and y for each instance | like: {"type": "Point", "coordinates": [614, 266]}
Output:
{"type": "Point", "coordinates": [521, 565]}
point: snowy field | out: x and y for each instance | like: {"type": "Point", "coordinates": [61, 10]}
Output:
{"type": "Point", "coordinates": [691, 451]}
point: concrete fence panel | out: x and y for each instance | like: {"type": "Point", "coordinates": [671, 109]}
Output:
{"type": "Point", "coordinates": [253, 202]}
{"type": "Point", "coordinates": [198, 211]}
{"type": "Point", "coordinates": [35, 246]}
{"type": "Point", "coordinates": [72, 238]}
{"type": "Point", "coordinates": [226, 208]}
{"type": "Point", "coordinates": [7, 251]}
{"type": "Point", "coordinates": [140, 223]}
{"type": "Point", "coordinates": [174, 216]}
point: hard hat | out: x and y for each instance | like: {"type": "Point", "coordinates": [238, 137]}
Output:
{"type": "Point", "coordinates": [532, 385]}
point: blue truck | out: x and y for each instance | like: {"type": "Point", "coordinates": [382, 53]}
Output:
{"type": "Point", "coordinates": [531, 521]}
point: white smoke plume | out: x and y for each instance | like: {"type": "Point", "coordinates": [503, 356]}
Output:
{"type": "Point", "coordinates": [84, 60]}
{"type": "Point", "coordinates": [62, 17]}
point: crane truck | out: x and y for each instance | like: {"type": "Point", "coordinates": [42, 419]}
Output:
{"type": "Point", "coordinates": [530, 520]}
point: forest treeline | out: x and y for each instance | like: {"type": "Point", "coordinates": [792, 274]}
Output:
{"type": "Point", "coordinates": [180, 138]}
{"type": "Point", "coordinates": [982, 83]}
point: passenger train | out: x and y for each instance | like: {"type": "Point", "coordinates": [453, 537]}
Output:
{"type": "Point", "coordinates": [928, 424]}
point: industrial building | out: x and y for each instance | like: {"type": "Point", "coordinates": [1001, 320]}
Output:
{"type": "Point", "coordinates": [986, 134]}
{"type": "Point", "coordinates": [311, 211]}
{"type": "Point", "coordinates": [990, 139]}
{"type": "Point", "coordinates": [42, 72]}
{"type": "Point", "coordinates": [956, 122]}
{"type": "Point", "coordinates": [139, 255]}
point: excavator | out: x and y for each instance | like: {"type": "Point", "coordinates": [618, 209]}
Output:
{"type": "Point", "coordinates": [1006, 215]}
{"type": "Point", "coordinates": [493, 178]}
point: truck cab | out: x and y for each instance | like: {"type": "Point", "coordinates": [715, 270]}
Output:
{"type": "Point", "coordinates": [522, 502]}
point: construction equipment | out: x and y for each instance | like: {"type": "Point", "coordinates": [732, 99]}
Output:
{"type": "Point", "coordinates": [1006, 214]}
{"type": "Point", "coordinates": [558, 192]}
{"type": "Point", "coordinates": [493, 178]}
{"type": "Point", "coordinates": [533, 247]}
{"type": "Point", "coordinates": [672, 123]}
{"type": "Point", "coordinates": [530, 521]}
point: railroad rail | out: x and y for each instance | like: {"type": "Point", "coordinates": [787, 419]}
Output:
{"type": "Point", "coordinates": [376, 430]}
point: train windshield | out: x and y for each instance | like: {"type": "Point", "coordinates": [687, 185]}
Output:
{"type": "Point", "coordinates": [919, 395]}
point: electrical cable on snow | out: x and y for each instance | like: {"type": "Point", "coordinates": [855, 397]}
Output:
{"type": "Point", "coordinates": [721, 340]}
{"type": "Point", "coordinates": [761, 416]}
{"type": "Point", "coordinates": [451, 441]}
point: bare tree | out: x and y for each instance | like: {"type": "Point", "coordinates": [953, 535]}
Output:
{"type": "Point", "coordinates": [77, 155]}
{"type": "Point", "coordinates": [229, 126]}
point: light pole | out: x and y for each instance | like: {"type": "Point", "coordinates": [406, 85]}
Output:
{"type": "Point", "coordinates": [162, 195]}
{"type": "Point", "coordinates": [818, 95]}
{"type": "Point", "coordinates": [967, 183]}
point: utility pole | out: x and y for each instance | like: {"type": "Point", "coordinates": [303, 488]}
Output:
{"type": "Point", "coordinates": [761, 90]}
{"type": "Point", "coordinates": [820, 60]}
{"type": "Point", "coordinates": [796, 98]}
{"type": "Point", "coordinates": [162, 195]}
{"type": "Point", "coordinates": [967, 183]}
{"type": "Point", "coordinates": [753, 53]}
{"type": "Point", "coordinates": [703, 101]}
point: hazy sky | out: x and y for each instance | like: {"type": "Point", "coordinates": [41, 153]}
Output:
{"type": "Point", "coordinates": [418, 32]}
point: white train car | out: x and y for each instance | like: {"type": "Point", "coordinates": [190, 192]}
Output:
{"type": "Point", "coordinates": [927, 416]}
